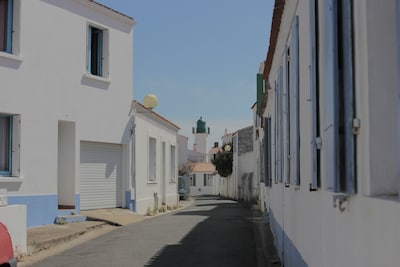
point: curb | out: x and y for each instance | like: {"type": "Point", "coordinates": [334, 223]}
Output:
{"type": "Point", "coordinates": [264, 241]}
{"type": "Point", "coordinates": [35, 247]}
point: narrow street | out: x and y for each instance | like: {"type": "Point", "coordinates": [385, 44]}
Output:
{"type": "Point", "coordinates": [212, 232]}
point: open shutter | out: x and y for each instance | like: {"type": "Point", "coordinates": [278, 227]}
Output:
{"type": "Point", "coordinates": [398, 84]}
{"type": "Point", "coordinates": [16, 145]}
{"type": "Point", "coordinates": [9, 26]}
{"type": "Point", "coordinates": [279, 117]}
{"type": "Point", "coordinates": [287, 122]}
{"type": "Point", "coordinates": [313, 96]}
{"type": "Point", "coordinates": [267, 150]}
{"type": "Point", "coordinates": [348, 88]}
{"type": "Point", "coordinates": [100, 53]}
{"type": "Point", "coordinates": [294, 104]}
{"type": "Point", "coordinates": [331, 98]}
{"type": "Point", "coordinates": [89, 51]}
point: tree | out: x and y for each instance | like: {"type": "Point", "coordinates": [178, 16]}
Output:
{"type": "Point", "coordinates": [223, 161]}
{"type": "Point", "coordinates": [185, 168]}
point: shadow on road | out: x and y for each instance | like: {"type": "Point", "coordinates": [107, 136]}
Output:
{"type": "Point", "coordinates": [224, 238]}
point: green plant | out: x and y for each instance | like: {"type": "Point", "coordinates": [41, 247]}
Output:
{"type": "Point", "coordinates": [223, 161]}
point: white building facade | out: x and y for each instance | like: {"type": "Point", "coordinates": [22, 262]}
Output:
{"type": "Point", "coordinates": [66, 91]}
{"type": "Point", "coordinates": [155, 175]}
{"type": "Point", "coordinates": [332, 125]}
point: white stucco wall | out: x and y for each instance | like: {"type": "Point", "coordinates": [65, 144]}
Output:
{"type": "Point", "coordinates": [165, 186]}
{"type": "Point", "coordinates": [308, 229]}
{"type": "Point", "coordinates": [45, 82]}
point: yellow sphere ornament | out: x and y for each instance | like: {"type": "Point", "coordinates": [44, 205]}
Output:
{"type": "Point", "coordinates": [150, 101]}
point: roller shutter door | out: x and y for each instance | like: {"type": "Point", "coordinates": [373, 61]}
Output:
{"type": "Point", "coordinates": [100, 175]}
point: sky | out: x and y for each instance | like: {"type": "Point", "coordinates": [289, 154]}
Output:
{"type": "Point", "coordinates": [200, 58]}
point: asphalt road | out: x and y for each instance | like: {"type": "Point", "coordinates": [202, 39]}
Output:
{"type": "Point", "coordinates": [212, 232]}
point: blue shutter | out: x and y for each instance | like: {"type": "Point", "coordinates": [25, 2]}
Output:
{"type": "Point", "coordinates": [313, 94]}
{"type": "Point", "coordinates": [89, 51]}
{"type": "Point", "coordinates": [398, 82]}
{"type": "Point", "coordinates": [347, 58]}
{"type": "Point", "coordinates": [267, 150]}
{"type": "Point", "coordinates": [100, 54]}
{"type": "Point", "coordinates": [276, 119]}
{"type": "Point", "coordinates": [294, 104]}
{"type": "Point", "coordinates": [279, 117]}
{"type": "Point", "coordinates": [9, 26]}
{"type": "Point", "coordinates": [287, 124]}
{"type": "Point", "coordinates": [331, 98]}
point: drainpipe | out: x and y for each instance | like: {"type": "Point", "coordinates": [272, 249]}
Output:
{"type": "Point", "coordinates": [132, 184]}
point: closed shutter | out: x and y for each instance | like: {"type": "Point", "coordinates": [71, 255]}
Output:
{"type": "Point", "coordinates": [100, 175]}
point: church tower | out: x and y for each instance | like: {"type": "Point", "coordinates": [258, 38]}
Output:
{"type": "Point", "coordinates": [201, 133]}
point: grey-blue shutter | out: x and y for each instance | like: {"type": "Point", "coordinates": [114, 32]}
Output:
{"type": "Point", "coordinates": [287, 123]}
{"type": "Point", "coordinates": [398, 82]}
{"type": "Point", "coordinates": [348, 78]}
{"type": "Point", "coordinates": [330, 144]}
{"type": "Point", "coordinates": [294, 104]}
{"type": "Point", "coordinates": [100, 53]}
{"type": "Point", "coordinates": [276, 116]}
{"type": "Point", "coordinates": [89, 50]}
{"type": "Point", "coordinates": [280, 132]}
{"type": "Point", "coordinates": [9, 26]}
{"type": "Point", "coordinates": [313, 94]}
{"type": "Point", "coordinates": [267, 150]}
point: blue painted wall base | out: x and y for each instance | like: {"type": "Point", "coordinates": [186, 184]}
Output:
{"type": "Point", "coordinates": [130, 204]}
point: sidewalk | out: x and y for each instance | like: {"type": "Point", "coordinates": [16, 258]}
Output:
{"type": "Point", "coordinates": [47, 236]}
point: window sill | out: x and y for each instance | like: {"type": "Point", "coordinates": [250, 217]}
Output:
{"type": "Point", "coordinates": [151, 182]}
{"type": "Point", "coordinates": [172, 181]}
{"type": "Point", "coordinates": [8, 179]}
{"type": "Point", "coordinates": [5, 55]}
{"type": "Point", "coordinates": [392, 197]}
{"type": "Point", "coordinates": [97, 78]}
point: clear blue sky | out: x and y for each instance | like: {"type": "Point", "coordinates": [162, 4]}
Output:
{"type": "Point", "coordinates": [200, 58]}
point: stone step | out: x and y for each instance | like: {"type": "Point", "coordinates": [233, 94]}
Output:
{"type": "Point", "coordinates": [64, 219]}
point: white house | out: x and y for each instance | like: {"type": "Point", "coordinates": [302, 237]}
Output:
{"type": "Point", "coordinates": [202, 179]}
{"type": "Point", "coordinates": [332, 124]}
{"type": "Point", "coordinates": [66, 86]}
{"type": "Point", "coordinates": [155, 174]}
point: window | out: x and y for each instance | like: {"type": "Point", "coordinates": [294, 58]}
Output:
{"type": "Point", "coordinates": [193, 180]}
{"type": "Point", "coordinates": [339, 143]}
{"type": "Point", "coordinates": [152, 159]}
{"type": "Point", "coordinates": [6, 27]}
{"type": "Point", "coordinates": [173, 163]}
{"type": "Point", "coordinates": [97, 51]}
{"type": "Point", "coordinates": [207, 180]}
{"type": "Point", "coordinates": [9, 145]}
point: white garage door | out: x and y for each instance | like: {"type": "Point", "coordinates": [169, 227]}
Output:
{"type": "Point", "coordinates": [100, 175]}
